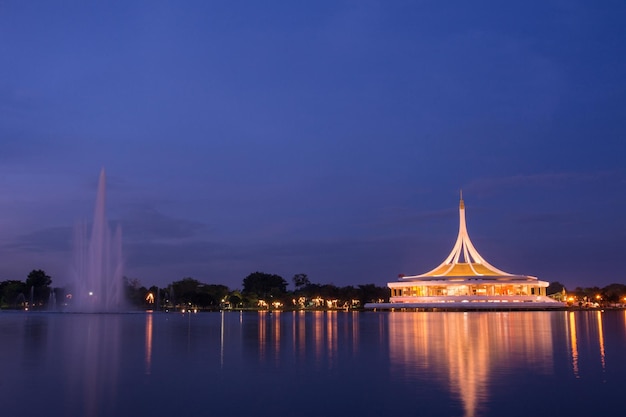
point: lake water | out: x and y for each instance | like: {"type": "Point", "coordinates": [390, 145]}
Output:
{"type": "Point", "coordinates": [313, 364]}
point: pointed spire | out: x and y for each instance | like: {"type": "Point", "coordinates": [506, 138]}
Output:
{"type": "Point", "coordinates": [464, 253]}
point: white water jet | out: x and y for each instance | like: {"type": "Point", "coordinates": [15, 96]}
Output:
{"type": "Point", "coordinates": [98, 266]}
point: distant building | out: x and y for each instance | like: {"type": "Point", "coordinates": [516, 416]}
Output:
{"type": "Point", "coordinates": [465, 280]}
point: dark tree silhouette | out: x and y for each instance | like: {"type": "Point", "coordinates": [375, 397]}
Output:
{"type": "Point", "coordinates": [555, 287]}
{"type": "Point", "coordinates": [264, 285]}
{"type": "Point", "coordinates": [300, 281]}
{"type": "Point", "coordinates": [12, 292]}
{"type": "Point", "coordinates": [39, 283]}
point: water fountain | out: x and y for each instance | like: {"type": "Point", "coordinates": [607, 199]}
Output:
{"type": "Point", "coordinates": [97, 271]}
{"type": "Point", "coordinates": [52, 300]}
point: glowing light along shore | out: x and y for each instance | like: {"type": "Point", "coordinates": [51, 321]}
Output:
{"type": "Point", "coordinates": [465, 280]}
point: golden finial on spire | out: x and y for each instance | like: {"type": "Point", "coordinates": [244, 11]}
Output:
{"type": "Point", "coordinates": [461, 204]}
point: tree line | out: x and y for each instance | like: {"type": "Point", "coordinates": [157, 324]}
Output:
{"type": "Point", "coordinates": [610, 295]}
{"type": "Point", "coordinates": [35, 290]}
{"type": "Point", "coordinates": [259, 290]}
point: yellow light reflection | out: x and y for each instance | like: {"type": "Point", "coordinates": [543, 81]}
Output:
{"type": "Point", "coordinates": [355, 332]}
{"type": "Point", "coordinates": [466, 348]}
{"type": "Point", "coordinates": [302, 333]}
{"type": "Point", "coordinates": [331, 335]}
{"type": "Point", "coordinates": [601, 340]}
{"type": "Point", "coordinates": [573, 342]}
{"type": "Point", "coordinates": [148, 343]}
{"type": "Point", "coordinates": [294, 333]}
{"type": "Point", "coordinates": [262, 332]}
{"type": "Point", "coordinates": [276, 334]}
{"type": "Point", "coordinates": [316, 334]}
{"type": "Point", "coordinates": [582, 334]}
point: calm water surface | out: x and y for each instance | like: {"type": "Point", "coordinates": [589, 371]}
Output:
{"type": "Point", "coordinates": [313, 364]}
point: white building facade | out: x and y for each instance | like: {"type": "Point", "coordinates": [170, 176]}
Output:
{"type": "Point", "coordinates": [465, 280]}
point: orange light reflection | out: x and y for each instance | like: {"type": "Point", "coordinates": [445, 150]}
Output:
{"type": "Point", "coordinates": [601, 340]}
{"type": "Point", "coordinates": [573, 342]}
{"type": "Point", "coordinates": [148, 343]}
{"type": "Point", "coordinates": [466, 348]}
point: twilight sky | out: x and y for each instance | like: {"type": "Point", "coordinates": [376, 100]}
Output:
{"type": "Point", "coordinates": [325, 137]}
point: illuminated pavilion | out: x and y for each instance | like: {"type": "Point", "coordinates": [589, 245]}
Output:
{"type": "Point", "coordinates": [466, 281]}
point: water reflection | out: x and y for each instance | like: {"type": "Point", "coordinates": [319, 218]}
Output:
{"type": "Point", "coordinates": [35, 336]}
{"type": "Point", "coordinates": [573, 340]}
{"type": "Point", "coordinates": [301, 335]}
{"type": "Point", "coordinates": [148, 343]}
{"type": "Point", "coordinates": [601, 339]}
{"type": "Point", "coordinates": [466, 350]}
{"type": "Point", "coordinates": [447, 364]}
{"type": "Point", "coordinates": [93, 366]}
{"type": "Point", "coordinates": [222, 339]}
{"type": "Point", "coordinates": [588, 326]}
{"type": "Point", "coordinates": [276, 333]}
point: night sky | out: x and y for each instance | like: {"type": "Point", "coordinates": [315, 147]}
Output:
{"type": "Point", "coordinates": [324, 137]}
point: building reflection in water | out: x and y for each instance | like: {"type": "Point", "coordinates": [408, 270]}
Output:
{"type": "Point", "coordinates": [467, 350]}
{"type": "Point", "coordinates": [467, 354]}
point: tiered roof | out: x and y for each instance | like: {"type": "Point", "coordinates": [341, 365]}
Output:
{"type": "Point", "coordinates": [464, 260]}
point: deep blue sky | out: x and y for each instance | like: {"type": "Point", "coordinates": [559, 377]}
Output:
{"type": "Point", "coordinates": [324, 137]}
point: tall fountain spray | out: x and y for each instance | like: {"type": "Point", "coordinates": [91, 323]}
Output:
{"type": "Point", "coordinates": [98, 271]}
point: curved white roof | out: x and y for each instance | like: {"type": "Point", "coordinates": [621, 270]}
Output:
{"type": "Point", "coordinates": [464, 261]}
